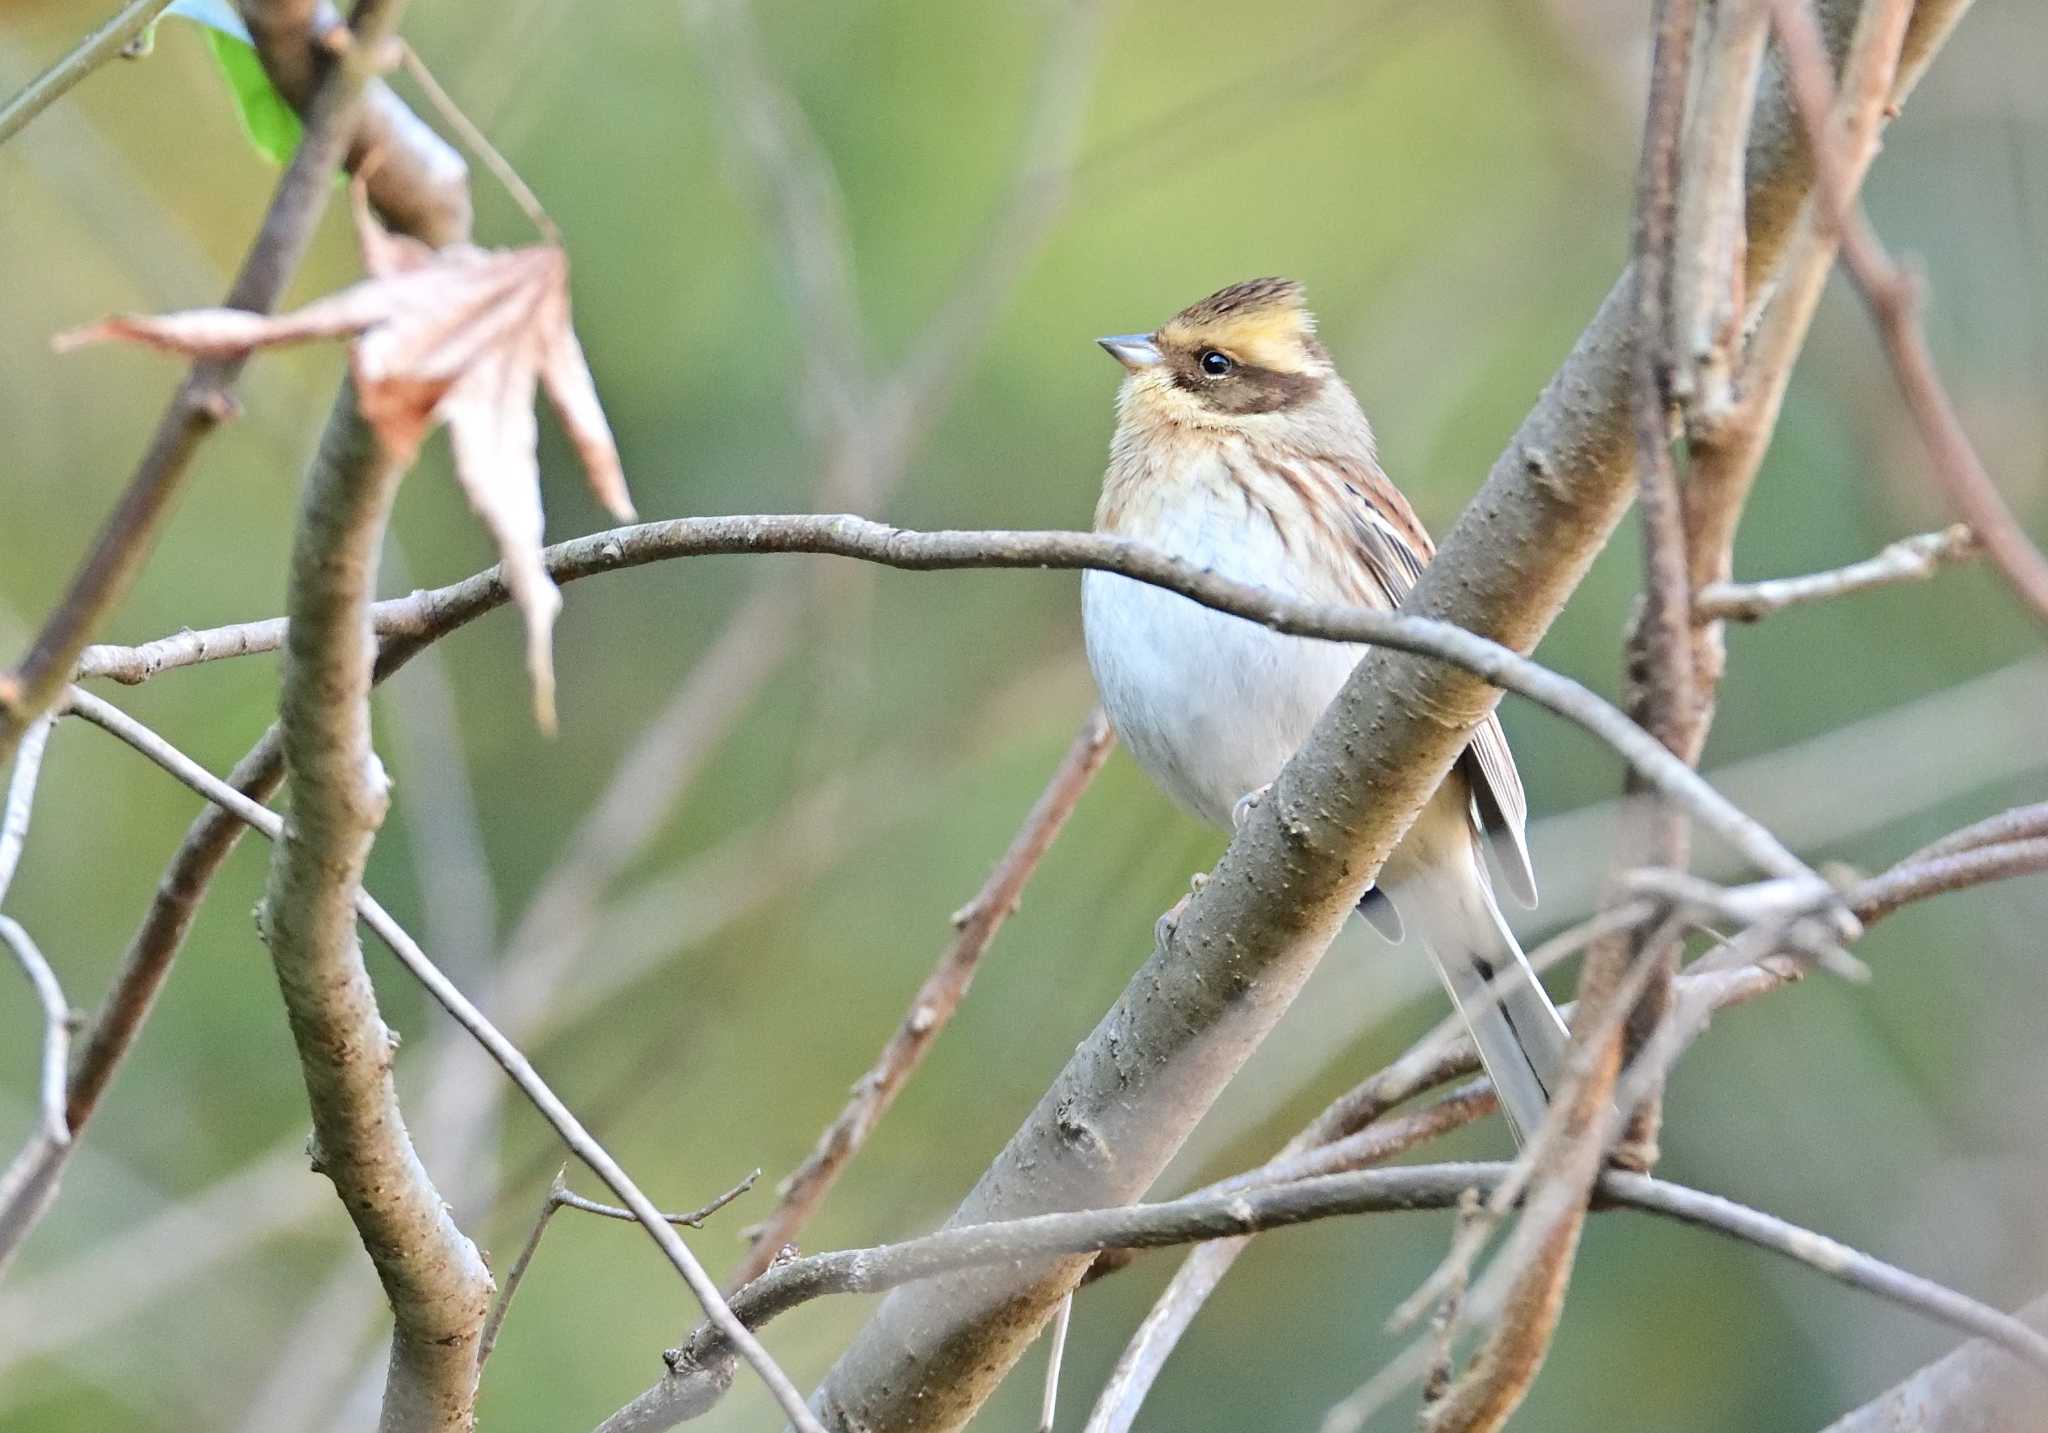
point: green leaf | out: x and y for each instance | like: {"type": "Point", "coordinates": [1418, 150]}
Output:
{"type": "Point", "coordinates": [268, 121]}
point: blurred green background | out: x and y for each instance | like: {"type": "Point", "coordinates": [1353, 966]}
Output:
{"type": "Point", "coordinates": [1452, 182]}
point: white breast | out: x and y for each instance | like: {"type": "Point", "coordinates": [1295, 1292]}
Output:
{"type": "Point", "coordinates": [1211, 706]}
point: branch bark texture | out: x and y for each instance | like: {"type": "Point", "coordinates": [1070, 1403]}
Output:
{"type": "Point", "coordinates": [433, 1276]}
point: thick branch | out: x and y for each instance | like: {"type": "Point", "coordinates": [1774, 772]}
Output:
{"type": "Point", "coordinates": [433, 1276]}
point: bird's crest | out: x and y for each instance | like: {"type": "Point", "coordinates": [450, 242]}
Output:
{"type": "Point", "coordinates": [1260, 321]}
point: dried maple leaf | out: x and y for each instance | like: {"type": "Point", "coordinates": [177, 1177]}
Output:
{"type": "Point", "coordinates": [460, 336]}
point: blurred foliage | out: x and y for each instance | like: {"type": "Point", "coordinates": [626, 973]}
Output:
{"type": "Point", "coordinates": [1452, 183]}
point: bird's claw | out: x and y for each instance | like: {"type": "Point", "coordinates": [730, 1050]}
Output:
{"type": "Point", "coordinates": [1242, 811]}
{"type": "Point", "coordinates": [1164, 927]}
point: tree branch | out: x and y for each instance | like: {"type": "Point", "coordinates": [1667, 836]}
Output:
{"type": "Point", "coordinates": [1726, 445]}
{"type": "Point", "coordinates": [110, 39]}
{"type": "Point", "coordinates": [559, 1197]}
{"type": "Point", "coordinates": [1910, 559]}
{"type": "Point", "coordinates": [409, 621]}
{"type": "Point", "coordinates": [931, 1009]}
{"type": "Point", "coordinates": [433, 1276]}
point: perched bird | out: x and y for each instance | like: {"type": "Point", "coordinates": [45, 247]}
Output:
{"type": "Point", "coordinates": [1239, 448]}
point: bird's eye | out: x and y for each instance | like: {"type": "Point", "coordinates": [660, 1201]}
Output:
{"type": "Point", "coordinates": [1216, 364]}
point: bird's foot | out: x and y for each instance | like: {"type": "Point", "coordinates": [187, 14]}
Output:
{"type": "Point", "coordinates": [1164, 927]}
{"type": "Point", "coordinates": [1242, 811]}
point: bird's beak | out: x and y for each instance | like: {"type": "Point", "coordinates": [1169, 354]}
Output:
{"type": "Point", "coordinates": [1133, 350]}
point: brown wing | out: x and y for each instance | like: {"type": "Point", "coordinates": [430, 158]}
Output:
{"type": "Point", "coordinates": [1394, 545]}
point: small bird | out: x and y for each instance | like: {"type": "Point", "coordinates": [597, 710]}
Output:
{"type": "Point", "coordinates": [1239, 448]}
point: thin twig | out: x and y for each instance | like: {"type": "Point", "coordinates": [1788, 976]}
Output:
{"type": "Point", "coordinates": [568, 1199]}
{"type": "Point", "coordinates": [1894, 299]}
{"type": "Point", "coordinates": [431, 614]}
{"type": "Point", "coordinates": [500, 167]}
{"type": "Point", "coordinates": [56, 1027]}
{"type": "Point", "coordinates": [503, 1051]}
{"type": "Point", "coordinates": [931, 1009]}
{"type": "Point", "coordinates": [2017, 824]}
{"type": "Point", "coordinates": [21, 797]}
{"type": "Point", "coordinates": [516, 1275]}
{"type": "Point", "coordinates": [1055, 1356]}
{"type": "Point", "coordinates": [1657, 652]}
{"type": "Point", "coordinates": [1910, 559]}
{"type": "Point", "coordinates": [560, 1196]}
{"type": "Point", "coordinates": [113, 36]}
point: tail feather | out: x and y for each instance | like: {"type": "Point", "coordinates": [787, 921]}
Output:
{"type": "Point", "coordinates": [1522, 1040]}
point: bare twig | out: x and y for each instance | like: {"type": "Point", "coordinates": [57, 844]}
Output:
{"type": "Point", "coordinates": [21, 797]}
{"type": "Point", "coordinates": [1893, 297]}
{"type": "Point", "coordinates": [560, 1196]}
{"type": "Point", "coordinates": [113, 36]}
{"type": "Point", "coordinates": [56, 1027]}
{"type": "Point", "coordinates": [425, 615]}
{"type": "Point", "coordinates": [2018, 824]}
{"type": "Point", "coordinates": [22, 1185]}
{"type": "Point", "coordinates": [501, 1050]}
{"type": "Point", "coordinates": [500, 167]}
{"type": "Point", "coordinates": [931, 1009]}
{"type": "Point", "coordinates": [1657, 652]}
{"type": "Point", "coordinates": [1916, 880]}
{"type": "Point", "coordinates": [331, 96]}
{"type": "Point", "coordinates": [1910, 559]}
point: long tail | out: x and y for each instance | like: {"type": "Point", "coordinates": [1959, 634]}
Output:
{"type": "Point", "coordinates": [1522, 1040]}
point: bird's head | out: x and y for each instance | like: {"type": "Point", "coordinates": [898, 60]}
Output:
{"type": "Point", "coordinates": [1245, 351]}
